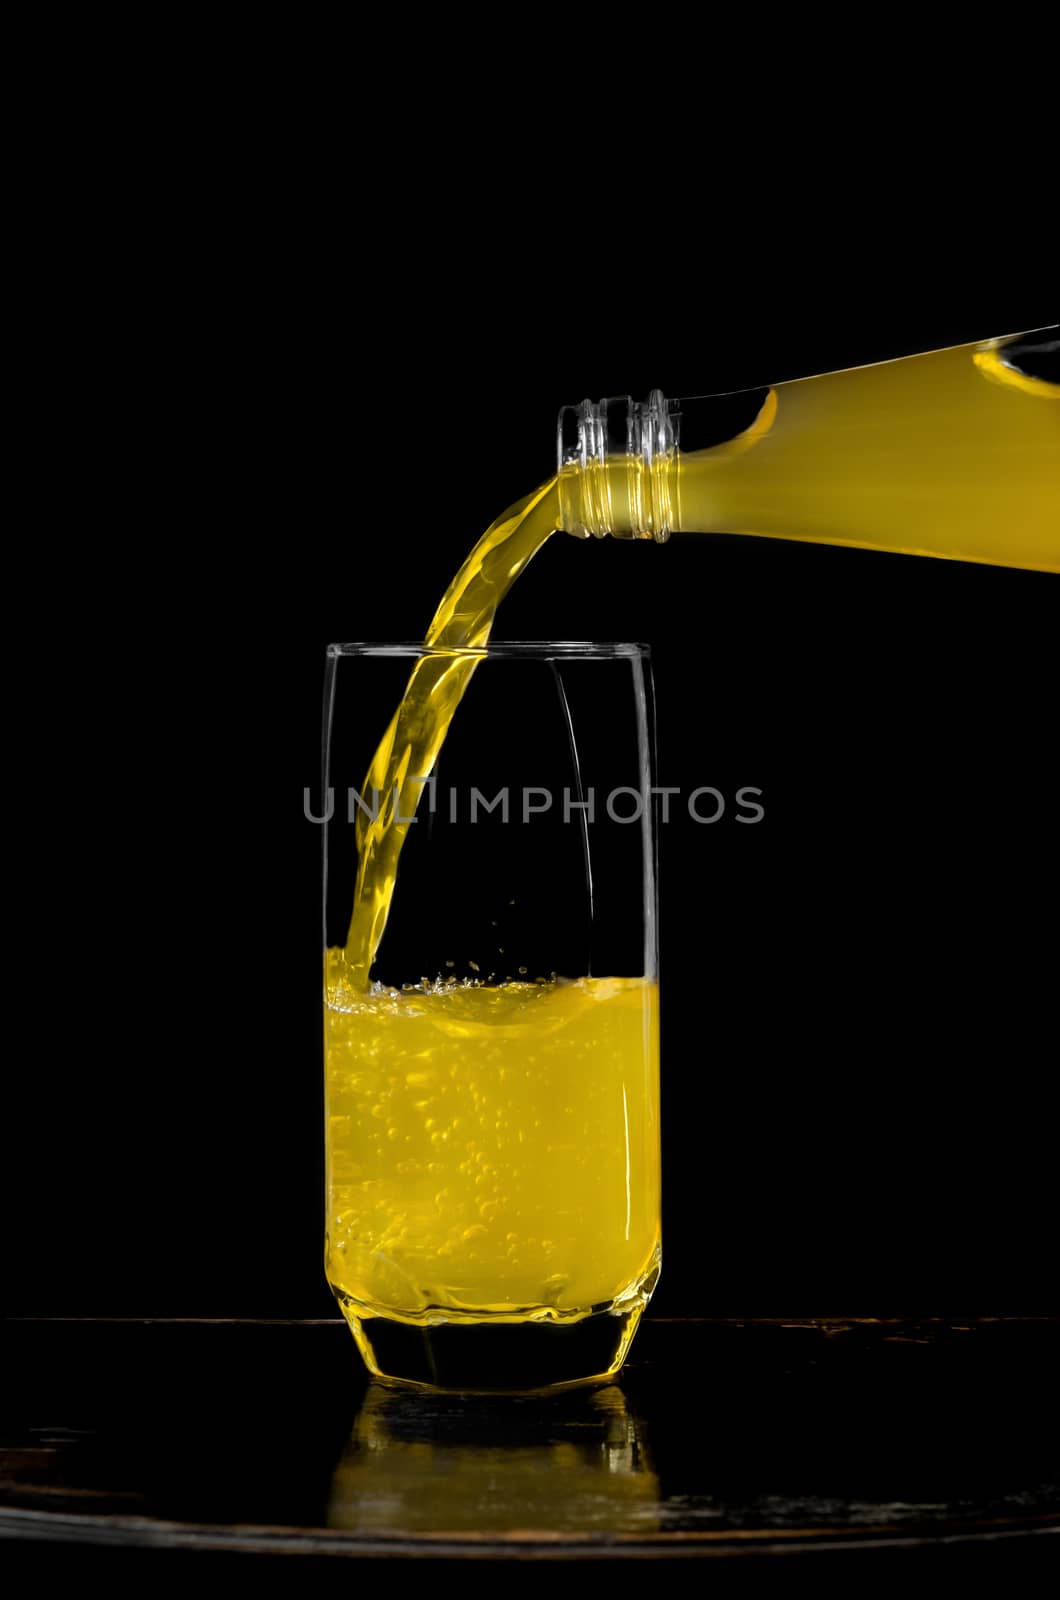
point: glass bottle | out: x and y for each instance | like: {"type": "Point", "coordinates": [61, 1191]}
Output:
{"type": "Point", "coordinates": [954, 453]}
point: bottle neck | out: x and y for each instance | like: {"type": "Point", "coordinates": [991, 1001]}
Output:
{"type": "Point", "coordinates": [617, 471]}
{"type": "Point", "coordinates": [620, 459]}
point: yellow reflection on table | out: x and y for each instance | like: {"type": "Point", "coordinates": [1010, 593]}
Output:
{"type": "Point", "coordinates": [570, 1464]}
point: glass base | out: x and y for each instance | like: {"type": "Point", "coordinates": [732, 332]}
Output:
{"type": "Point", "coordinates": [487, 1355]}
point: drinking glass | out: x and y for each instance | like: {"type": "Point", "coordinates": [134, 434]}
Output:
{"type": "Point", "coordinates": [492, 1083]}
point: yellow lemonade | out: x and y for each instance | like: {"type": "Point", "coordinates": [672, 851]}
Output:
{"type": "Point", "coordinates": [492, 1151]}
{"type": "Point", "coordinates": [412, 742]}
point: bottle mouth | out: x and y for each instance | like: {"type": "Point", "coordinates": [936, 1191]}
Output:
{"type": "Point", "coordinates": [615, 466]}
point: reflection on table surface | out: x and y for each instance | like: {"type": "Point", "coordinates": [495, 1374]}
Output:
{"type": "Point", "coordinates": [436, 1463]}
{"type": "Point", "coordinates": [720, 1436]}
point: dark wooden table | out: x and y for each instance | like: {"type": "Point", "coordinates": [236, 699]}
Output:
{"type": "Point", "coordinates": [832, 1442]}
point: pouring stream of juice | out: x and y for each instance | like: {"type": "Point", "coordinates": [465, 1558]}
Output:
{"type": "Point", "coordinates": [954, 454]}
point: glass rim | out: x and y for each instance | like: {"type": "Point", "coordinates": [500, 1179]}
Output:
{"type": "Point", "coordinates": [513, 649]}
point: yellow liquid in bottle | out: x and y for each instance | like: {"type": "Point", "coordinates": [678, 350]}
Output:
{"type": "Point", "coordinates": [952, 454]}
{"type": "Point", "coordinates": [493, 1151]}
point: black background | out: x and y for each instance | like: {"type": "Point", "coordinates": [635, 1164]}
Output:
{"type": "Point", "coordinates": [858, 1020]}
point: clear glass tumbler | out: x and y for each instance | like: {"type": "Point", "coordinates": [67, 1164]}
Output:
{"type": "Point", "coordinates": [492, 1079]}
